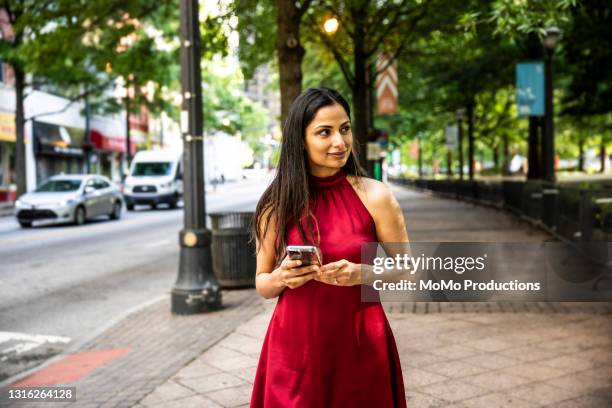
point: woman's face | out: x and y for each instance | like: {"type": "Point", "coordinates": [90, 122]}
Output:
{"type": "Point", "coordinates": [328, 140]}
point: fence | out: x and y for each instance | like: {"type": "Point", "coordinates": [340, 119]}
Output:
{"type": "Point", "coordinates": [576, 214]}
{"type": "Point", "coordinates": [569, 211]}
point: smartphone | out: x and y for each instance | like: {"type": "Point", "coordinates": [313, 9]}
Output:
{"type": "Point", "coordinates": [308, 254]}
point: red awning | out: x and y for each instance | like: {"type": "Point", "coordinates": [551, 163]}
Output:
{"type": "Point", "coordinates": [101, 141]}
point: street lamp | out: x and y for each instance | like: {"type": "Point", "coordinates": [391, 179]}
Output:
{"type": "Point", "coordinates": [459, 114]}
{"type": "Point", "coordinates": [553, 35]}
{"type": "Point", "coordinates": [550, 41]}
{"type": "Point", "coordinates": [196, 290]}
{"type": "Point", "coordinates": [331, 26]}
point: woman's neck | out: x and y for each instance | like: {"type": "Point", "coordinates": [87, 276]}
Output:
{"type": "Point", "coordinates": [324, 172]}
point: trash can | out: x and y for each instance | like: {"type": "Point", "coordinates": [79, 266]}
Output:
{"type": "Point", "coordinates": [233, 256]}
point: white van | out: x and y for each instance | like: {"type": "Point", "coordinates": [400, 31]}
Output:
{"type": "Point", "coordinates": [155, 177]}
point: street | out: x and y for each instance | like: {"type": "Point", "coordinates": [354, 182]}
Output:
{"type": "Point", "coordinates": [61, 285]}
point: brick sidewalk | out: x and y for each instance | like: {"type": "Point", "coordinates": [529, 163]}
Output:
{"type": "Point", "coordinates": [558, 357]}
{"type": "Point", "coordinates": [465, 355]}
{"type": "Point", "coordinates": [126, 363]}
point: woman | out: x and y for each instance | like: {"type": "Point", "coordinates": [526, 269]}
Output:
{"type": "Point", "coordinates": [324, 347]}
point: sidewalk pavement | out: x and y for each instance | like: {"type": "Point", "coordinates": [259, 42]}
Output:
{"type": "Point", "coordinates": [487, 354]}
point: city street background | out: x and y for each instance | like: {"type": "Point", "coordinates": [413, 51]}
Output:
{"type": "Point", "coordinates": [491, 120]}
{"type": "Point", "coordinates": [72, 282]}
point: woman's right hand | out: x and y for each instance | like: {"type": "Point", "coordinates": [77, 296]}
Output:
{"type": "Point", "coordinates": [290, 274]}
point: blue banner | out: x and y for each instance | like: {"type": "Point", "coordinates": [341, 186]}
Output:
{"type": "Point", "coordinates": [530, 88]}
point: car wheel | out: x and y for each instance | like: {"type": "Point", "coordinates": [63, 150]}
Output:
{"type": "Point", "coordinates": [130, 207]}
{"type": "Point", "coordinates": [116, 214]}
{"type": "Point", "coordinates": [79, 216]}
{"type": "Point", "coordinates": [174, 203]}
{"type": "Point", "coordinates": [25, 224]}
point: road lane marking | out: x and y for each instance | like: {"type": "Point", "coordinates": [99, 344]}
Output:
{"type": "Point", "coordinates": [158, 243]}
{"type": "Point", "coordinates": [27, 342]}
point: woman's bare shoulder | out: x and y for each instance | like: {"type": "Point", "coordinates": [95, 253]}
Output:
{"type": "Point", "coordinates": [371, 191]}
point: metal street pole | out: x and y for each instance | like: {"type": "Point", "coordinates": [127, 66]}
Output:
{"type": "Point", "coordinates": [548, 139]}
{"type": "Point", "coordinates": [553, 34]}
{"type": "Point", "coordinates": [196, 290]}
{"type": "Point", "coordinates": [459, 114]}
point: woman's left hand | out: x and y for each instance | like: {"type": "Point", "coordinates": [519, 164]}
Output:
{"type": "Point", "coordinates": [340, 273]}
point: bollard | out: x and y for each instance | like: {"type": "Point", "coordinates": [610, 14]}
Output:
{"type": "Point", "coordinates": [549, 208]}
{"type": "Point", "coordinates": [586, 216]}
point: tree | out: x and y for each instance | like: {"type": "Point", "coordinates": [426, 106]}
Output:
{"type": "Point", "coordinates": [256, 34]}
{"type": "Point", "coordinates": [366, 30]}
{"type": "Point", "coordinates": [588, 51]}
{"type": "Point", "coordinates": [73, 45]}
{"type": "Point", "coordinates": [525, 23]}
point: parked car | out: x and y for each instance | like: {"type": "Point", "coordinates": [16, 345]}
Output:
{"type": "Point", "coordinates": [69, 198]}
{"type": "Point", "coordinates": [156, 177]}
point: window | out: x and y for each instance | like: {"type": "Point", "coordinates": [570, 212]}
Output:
{"type": "Point", "coordinates": [59, 186]}
{"type": "Point", "coordinates": [101, 184]}
{"type": "Point", "coordinates": [152, 169]}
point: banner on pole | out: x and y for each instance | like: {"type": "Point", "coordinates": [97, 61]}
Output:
{"type": "Point", "coordinates": [530, 88]}
{"type": "Point", "coordinates": [386, 85]}
{"type": "Point", "coordinates": [452, 136]}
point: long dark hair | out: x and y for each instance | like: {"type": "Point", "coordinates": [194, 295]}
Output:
{"type": "Point", "coordinates": [287, 197]}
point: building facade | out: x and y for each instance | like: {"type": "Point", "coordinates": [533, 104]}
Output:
{"type": "Point", "coordinates": [259, 89]}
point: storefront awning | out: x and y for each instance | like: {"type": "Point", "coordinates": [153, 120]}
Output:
{"type": "Point", "coordinates": [57, 139]}
{"type": "Point", "coordinates": [103, 142]}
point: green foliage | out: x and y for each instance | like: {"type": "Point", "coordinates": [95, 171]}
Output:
{"type": "Point", "coordinates": [454, 55]}
{"type": "Point", "coordinates": [588, 52]}
{"type": "Point", "coordinates": [226, 108]}
{"type": "Point", "coordinates": [320, 69]}
{"type": "Point", "coordinates": [517, 18]}
{"type": "Point", "coordinates": [84, 46]}
{"type": "Point", "coordinates": [257, 33]}
{"type": "Point", "coordinates": [69, 44]}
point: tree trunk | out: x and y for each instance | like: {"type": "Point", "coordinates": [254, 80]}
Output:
{"type": "Point", "coordinates": [449, 164]}
{"type": "Point", "coordinates": [506, 163]}
{"type": "Point", "coordinates": [460, 147]}
{"type": "Point", "coordinates": [361, 94]}
{"type": "Point", "coordinates": [20, 153]}
{"type": "Point", "coordinates": [581, 154]}
{"type": "Point", "coordinates": [290, 54]}
{"type": "Point", "coordinates": [496, 158]}
{"type": "Point", "coordinates": [603, 157]}
{"type": "Point", "coordinates": [470, 123]}
{"type": "Point", "coordinates": [534, 51]}
{"type": "Point", "coordinates": [533, 151]}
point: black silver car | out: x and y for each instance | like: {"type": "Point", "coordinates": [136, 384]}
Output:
{"type": "Point", "coordinates": [69, 199]}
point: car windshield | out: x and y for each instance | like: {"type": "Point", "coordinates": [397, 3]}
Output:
{"type": "Point", "coordinates": [152, 169]}
{"type": "Point", "coordinates": [59, 186]}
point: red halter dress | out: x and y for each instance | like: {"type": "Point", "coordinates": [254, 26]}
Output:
{"type": "Point", "coordinates": [324, 347]}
